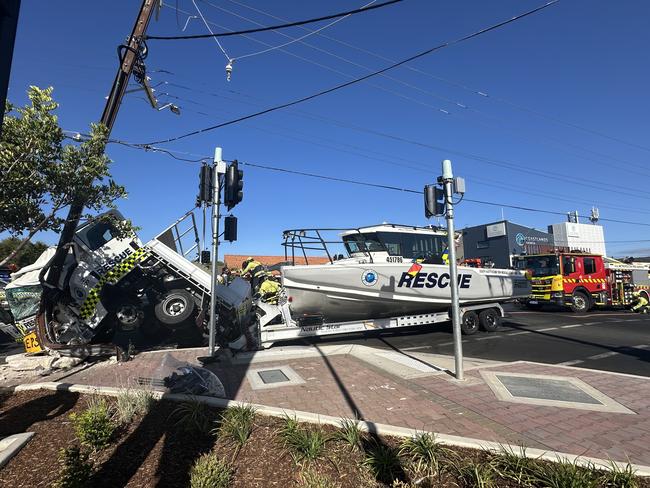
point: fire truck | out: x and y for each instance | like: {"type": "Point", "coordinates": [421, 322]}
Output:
{"type": "Point", "coordinates": [582, 281]}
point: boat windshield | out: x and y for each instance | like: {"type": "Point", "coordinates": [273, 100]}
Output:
{"type": "Point", "coordinates": [539, 265]}
{"type": "Point", "coordinates": [406, 244]}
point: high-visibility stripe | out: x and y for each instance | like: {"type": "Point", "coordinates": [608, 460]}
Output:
{"type": "Point", "coordinates": [89, 305]}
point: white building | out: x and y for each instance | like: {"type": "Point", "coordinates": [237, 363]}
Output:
{"type": "Point", "coordinates": [579, 237]}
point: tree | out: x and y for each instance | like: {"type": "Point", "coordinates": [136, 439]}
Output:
{"type": "Point", "coordinates": [26, 256]}
{"type": "Point", "coordinates": [40, 176]}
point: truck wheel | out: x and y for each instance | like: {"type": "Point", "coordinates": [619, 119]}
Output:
{"type": "Point", "coordinates": [129, 316]}
{"type": "Point", "coordinates": [581, 302]}
{"type": "Point", "coordinates": [175, 308]}
{"type": "Point", "coordinates": [470, 322]}
{"type": "Point", "coordinates": [490, 320]}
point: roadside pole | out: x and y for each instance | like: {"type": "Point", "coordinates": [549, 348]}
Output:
{"type": "Point", "coordinates": [218, 168]}
{"type": "Point", "coordinates": [448, 182]}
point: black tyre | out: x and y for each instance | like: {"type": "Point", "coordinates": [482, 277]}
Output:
{"type": "Point", "coordinates": [470, 323]}
{"type": "Point", "coordinates": [129, 316]}
{"type": "Point", "coordinates": [490, 320]}
{"type": "Point", "coordinates": [176, 308]}
{"type": "Point", "coordinates": [581, 302]}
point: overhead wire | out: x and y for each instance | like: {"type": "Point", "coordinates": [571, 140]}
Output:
{"type": "Point", "coordinates": [221, 48]}
{"type": "Point", "coordinates": [365, 77]}
{"type": "Point", "coordinates": [607, 159]}
{"type": "Point", "coordinates": [279, 26]}
{"type": "Point", "coordinates": [298, 39]}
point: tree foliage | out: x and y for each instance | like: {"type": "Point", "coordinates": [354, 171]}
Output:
{"type": "Point", "coordinates": [41, 175]}
{"type": "Point", "coordinates": [26, 256]}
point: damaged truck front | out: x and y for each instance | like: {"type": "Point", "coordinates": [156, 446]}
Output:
{"type": "Point", "coordinates": [113, 284]}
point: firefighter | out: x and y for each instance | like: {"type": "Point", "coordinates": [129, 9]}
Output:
{"type": "Point", "coordinates": [256, 270]}
{"type": "Point", "coordinates": [269, 290]}
{"type": "Point", "coordinates": [640, 303]}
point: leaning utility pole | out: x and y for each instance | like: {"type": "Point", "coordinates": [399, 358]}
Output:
{"type": "Point", "coordinates": [447, 179]}
{"type": "Point", "coordinates": [129, 59]}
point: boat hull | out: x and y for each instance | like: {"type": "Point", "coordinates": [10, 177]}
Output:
{"type": "Point", "coordinates": [343, 292]}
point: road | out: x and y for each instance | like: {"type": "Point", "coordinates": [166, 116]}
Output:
{"type": "Point", "coordinates": [605, 340]}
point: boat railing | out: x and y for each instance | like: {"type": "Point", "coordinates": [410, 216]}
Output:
{"type": "Point", "coordinates": [302, 240]}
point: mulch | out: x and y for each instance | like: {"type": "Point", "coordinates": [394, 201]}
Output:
{"type": "Point", "coordinates": [155, 451]}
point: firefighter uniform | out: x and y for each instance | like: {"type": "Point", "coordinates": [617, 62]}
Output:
{"type": "Point", "coordinates": [256, 270]}
{"type": "Point", "coordinates": [269, 291]}
{"type": "Point", "coordinates": [640, 304]}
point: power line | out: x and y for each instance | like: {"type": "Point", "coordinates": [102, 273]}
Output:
{"type": "Point", "coordinates": [365, 77]}
{"type": "Point", "coordinates": [457, 84]}
{"type": "Point", "coordinates": [502, 124]}
{"type": "Point", "coordinates": [210, 30]}
{"type": "Point", "coordinates": [279, 26]}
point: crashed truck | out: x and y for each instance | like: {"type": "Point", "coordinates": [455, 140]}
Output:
{"type": "Point", "coordinates": [393, 276]}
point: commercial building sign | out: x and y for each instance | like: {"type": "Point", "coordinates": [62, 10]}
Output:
{"type": "Point", "coordinates": [495, 230]}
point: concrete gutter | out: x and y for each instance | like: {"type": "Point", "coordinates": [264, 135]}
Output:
{"type": "Point", "coordinates": [372, 427]}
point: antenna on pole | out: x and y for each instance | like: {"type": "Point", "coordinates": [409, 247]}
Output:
{"type": "Point", "coordinates": [595, 215]}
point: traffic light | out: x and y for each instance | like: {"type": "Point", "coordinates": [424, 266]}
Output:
{"type": "Point", "coordinates": [233, 193]}
{"type": "Point", "coordinates": [434, 201]}
{"type": "Point", "coordinates": [205, 185]}
{"type": "Point", "coordinates": [230, 228]}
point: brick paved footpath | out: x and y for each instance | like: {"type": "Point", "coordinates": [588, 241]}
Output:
{"type": "Point", "coordinates": [343, 385]}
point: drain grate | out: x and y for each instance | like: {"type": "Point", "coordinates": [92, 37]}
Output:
{"type": "Point", "coordinates": [272, 376]}
{"type": "Point", "coordinates": [545, 389]}
{"type": "Point", "coordinates": [155, 382]}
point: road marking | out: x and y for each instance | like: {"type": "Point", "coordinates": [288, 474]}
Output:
{"type": "Point", "coordinates": [642, 346]}
{"type": "Point", "coordinates": [592, 323]}
{"type": "Point", "coordinates": [416, 348]}
{"type": "Point", "coordinates": [571, 363]}
{"type": "Point", "coordinates": [544, 330]}
{"type": "Point", "coordinates": [487, 337]}
{"type": "Point", "coordinates": [604, 355]}
{"type": "Point", "coordinates": [571, 326]}
{"type": "Point", "coordinates": [519, 333]}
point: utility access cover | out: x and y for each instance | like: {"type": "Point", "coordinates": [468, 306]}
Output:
{"type": "Point", "coordinates": [272, 376]}
{"type": "Point", "coordinates": [278, 376]}
{"type": "Point", "coordinates": [555, 391]}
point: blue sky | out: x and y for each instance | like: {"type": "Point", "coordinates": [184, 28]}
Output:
{"type": "Point", "coordinates": [578, 62]}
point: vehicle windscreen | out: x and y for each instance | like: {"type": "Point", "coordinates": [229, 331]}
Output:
{"type": "Point", "coordinates": [24, 301]}
{"type": "Point", "coordinates": [96, 234]}
{"type": "Point", "coordinates": [540, 265]}
{"type": "Point", "coordinates": [362, 243]}
{"type": "Point", "coordinates": [429, 247]}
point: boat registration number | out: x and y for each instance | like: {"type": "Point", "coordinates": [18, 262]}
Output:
{"type": "Point", "coordinates": [394, 259]}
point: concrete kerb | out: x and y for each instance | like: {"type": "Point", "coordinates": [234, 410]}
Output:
{"type": "Point", "coordinates": [375, 428]}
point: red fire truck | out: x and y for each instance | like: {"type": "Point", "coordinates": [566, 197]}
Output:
{"type": "Point", "coordinates": [582, 281]}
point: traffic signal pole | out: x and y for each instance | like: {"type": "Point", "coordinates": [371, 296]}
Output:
{"type": "Point", "coordinates": [218, 168]}
{"type": "Point", "coordinates": [448, 183]}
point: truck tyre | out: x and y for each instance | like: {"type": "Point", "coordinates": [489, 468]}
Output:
{"type": "Point", "coordinates": [129, 316]}
{"type": "Point", "coordinates": [175, 308]}
{"type": "Point", "coordinates": [490, 320]}
{"type": "Point", "coordinates": [581, 302]}
{"type": "Point", "coordinates": [470, 323]}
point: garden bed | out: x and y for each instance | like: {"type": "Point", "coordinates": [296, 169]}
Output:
{"type": "Point", "coordinates": [160, 445]}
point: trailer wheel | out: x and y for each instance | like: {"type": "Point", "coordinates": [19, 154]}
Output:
{"type": "Point", "coordinates": [581, 302]}
{"type": "Point", "coordinates": [470, 323]}
{"type": "Point", "coordinates": [490, 320]}
{"type": "Point", "coordinates": [176, 308]}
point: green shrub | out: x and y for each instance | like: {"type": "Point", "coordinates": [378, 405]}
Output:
{"type": "Point", "coordinates": [383, 462]}
{"type": "Point", "coordinates": [76, 468]}
{"type": "Point", "coordinates": [514, 466]}
{"type": "Point", "coordinates": [192, 415]}
{"type": "Point", "coordinates": [210, 472]}
{"type": "Point", "coordinates": [311, 479]}
{"type": "Point", "coordinates": [565, 474]}
{"type": "Point", "coordinates": [474, 474]}
{"type": "Point", "coordinates": [94, 426]}
{"type": "Point", "coordinates": [131, 403]}
{"type": "Point", "coordinates": [424, 452]}
{"type": "Point", "coordinates": [617, 477]}
{"type": "Point", "coordinates": [351, 433]}
{"type": "Point", "coordinates": [303, 443]}
{"type": "Point", "coordinates": [237, 424]}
